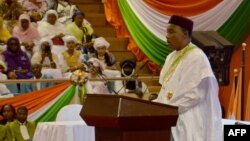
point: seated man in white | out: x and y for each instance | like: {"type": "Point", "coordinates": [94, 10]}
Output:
{"type": "Point", "coordinates": [38, 75]}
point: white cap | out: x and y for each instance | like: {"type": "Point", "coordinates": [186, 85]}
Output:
{"type": "Point", "coordinates": [69, 38]}
{"type": "Point", "coordinates": [100, 41]}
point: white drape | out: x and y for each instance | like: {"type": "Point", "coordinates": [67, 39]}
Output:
{"type": "Point", "coordinates": [209, 20]}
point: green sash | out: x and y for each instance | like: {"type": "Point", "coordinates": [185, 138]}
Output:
{"type": "Point", "coordinates": [175, 63]}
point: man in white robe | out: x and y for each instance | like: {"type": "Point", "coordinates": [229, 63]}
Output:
{"type": "Point", "coordinates": [189, 83]}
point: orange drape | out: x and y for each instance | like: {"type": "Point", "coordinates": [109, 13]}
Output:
{"type": "Point", "coordinates": [114, 17]}
{"type": "Point", "coordinates": [35, 100]}
{"type": "Point", "coordinates": [182, 7]}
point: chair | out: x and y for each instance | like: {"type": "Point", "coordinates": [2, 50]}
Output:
{"type": "Point", "coordinates": [70, 113]}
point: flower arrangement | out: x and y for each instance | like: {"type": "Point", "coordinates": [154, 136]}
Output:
{"type": "Point", "coordinates": [79, 77]}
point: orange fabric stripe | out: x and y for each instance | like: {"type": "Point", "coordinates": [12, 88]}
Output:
{"type": "Point", "coordinates": [35, 100]}
{"type": "Point", "coordinates": [182, 7]}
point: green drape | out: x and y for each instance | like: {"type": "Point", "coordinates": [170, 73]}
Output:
{"type": "Point", "coordinates": [51, 113]}
{"type": "Point", "coordinates": [237, 27]}
{"type": "Point", "coordinates": [155, 49]}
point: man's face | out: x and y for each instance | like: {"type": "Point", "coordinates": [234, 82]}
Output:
{"type": "Point", "coordinates": [175, 37]}
{"type": "Point", "coordinates": [22, 115]}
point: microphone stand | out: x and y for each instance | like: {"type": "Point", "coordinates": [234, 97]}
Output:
{"type": "Point", "coordinates": [99, 74]}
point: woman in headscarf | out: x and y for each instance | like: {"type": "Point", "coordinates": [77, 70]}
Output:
{"type": "Point", "coordinates": [35, 5]}
{"type": "Point", "coordinates": [26, 33]}
{"type": "Point", "coordinates": [4, 33]}
{"type": "Point", "coordinates": [71, 58]}
{"type": "Point", "coordinates": [44, 55]}
{"type": "Point", "coordinates": [101, 46]}
{"type": "Point", "coordinates": [50, 27]}
{"type": "Point", "coordinates": [79, 28]}
{"type": "Point", "coordinates": [18, 63]}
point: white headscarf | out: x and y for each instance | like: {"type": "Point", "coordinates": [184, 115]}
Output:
{"type": "Point", "coordinates": [100, 41]}
{"type": "Point", "coordinates": [69, 38]}
{"type": "Point", "coordinates": [24, 16]}
{"type": "Point", "coordinates": [51, 11]}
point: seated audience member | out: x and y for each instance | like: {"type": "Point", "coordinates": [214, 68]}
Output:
{"type": "Point", "coordinates": [4, 32]}
{"type": "Point", "coordinates": [65, 10]}
{"type": "Point", "coordinates": [35, 5]}
{"type": "Point", "coordinates": [10, 10]}
{"type": "Point", "coordinates": [71, 58]}
{"type": "Point", "coordinates": [8, 113]}
{"type": "Point", "coordinates": [50, 27]}
{"type": "Point", "coordinates": [107, 59]}
{"type": "Point", "coordinates": [18, 64]}
{"type": "Point", "coordinates": [87, 48]}
{"type": "Point", "coordinates": [79, 28]}
{"type": "Point", "coordinates": [26, 33]}
{"type": "Point", "coordinates": [37, 71]}
{"type": "Point", "coordinates": [3, 89]}
{"type": "Point", "coordinates": [44, 55]}
{"type": "Point", "coordinates": [21, 129]}
{"type": "Point", "coordinates": [96, 71]}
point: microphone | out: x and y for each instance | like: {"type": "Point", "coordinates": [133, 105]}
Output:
{"type": "Point", "coordinates": [90, 68]}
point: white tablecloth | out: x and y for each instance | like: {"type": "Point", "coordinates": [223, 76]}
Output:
{"type": "Point", "coordinates": [64, 131]}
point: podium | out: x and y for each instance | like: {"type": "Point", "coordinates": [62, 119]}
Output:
{"type": "Point", "coordinates": [121, 118]}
